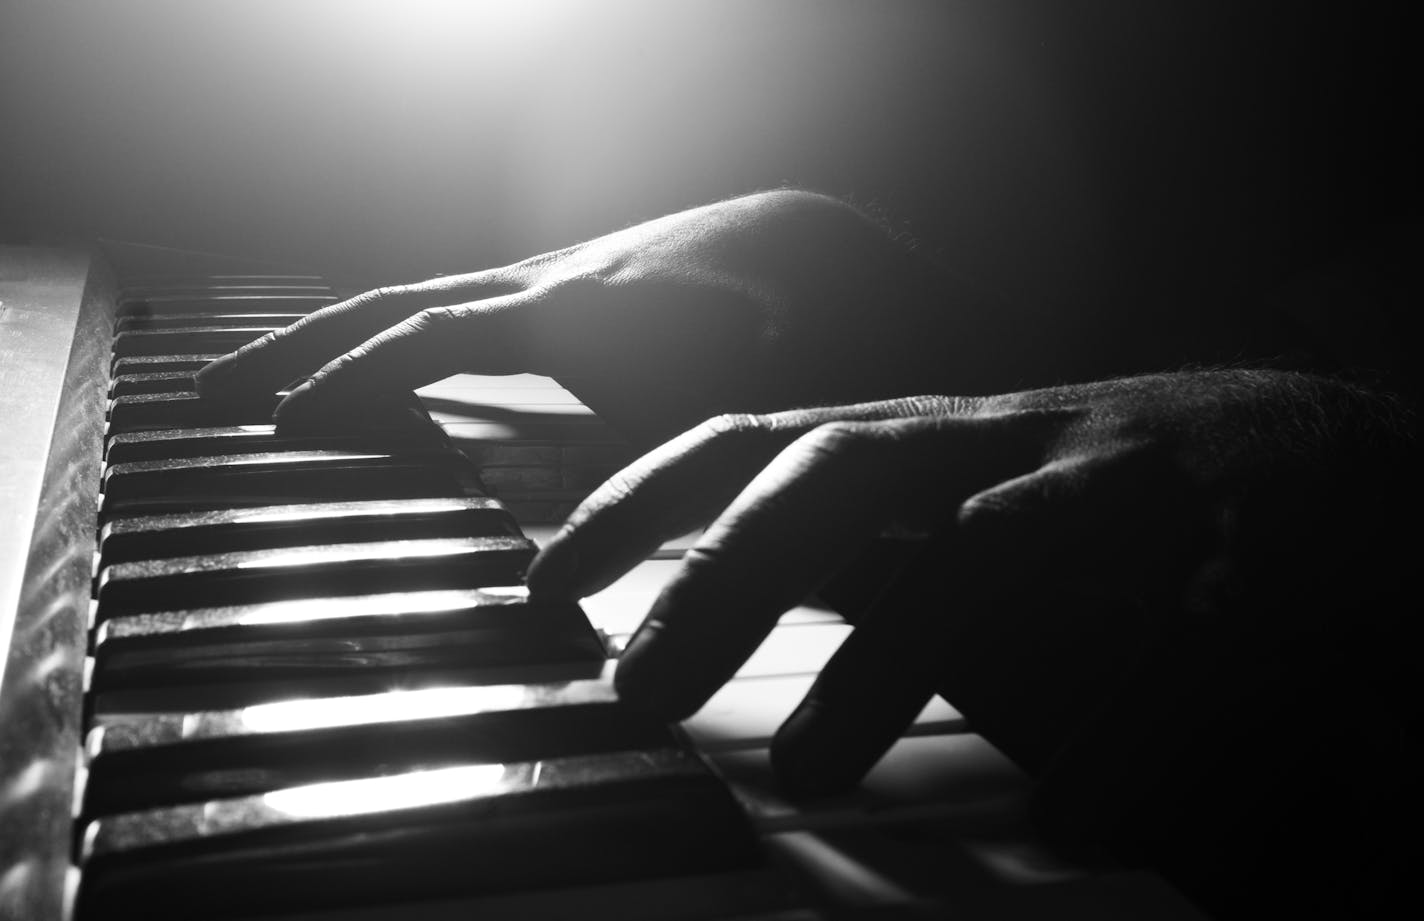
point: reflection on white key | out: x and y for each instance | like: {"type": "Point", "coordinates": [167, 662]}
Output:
{"type": "Point", "coordinates": [798, 649]}
{"type": "Point", "coordinates": [401, 791]}
{"type": "Point", "coordinates": [620, 608]}
{"type": "Point", "coordinates": [464, 383]}
{"type": "Point", "coordinates": [793, 649]}
{"type": "Point", "coordinates": [364, 709]}
{"type": "Point", "coordinates": [919, 772]}
{"type": "Point", "coordinates": [429, 602]}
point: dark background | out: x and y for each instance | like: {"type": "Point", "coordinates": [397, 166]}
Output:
{"type": "Point", "coordinates": [1067, 154]}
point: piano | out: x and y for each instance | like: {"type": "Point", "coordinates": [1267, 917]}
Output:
{"type": "Point", "coordinates": [251, 676]}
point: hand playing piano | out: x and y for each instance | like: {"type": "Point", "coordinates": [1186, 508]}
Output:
{"type": "Point", "coordinates": [1052, 537]}
{"type": "Point", "coordinates": [772, 300]}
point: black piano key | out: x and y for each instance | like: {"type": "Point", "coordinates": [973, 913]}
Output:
{"type": "Point", "coordinates": [228, 440]}
{"type": "Point", "coordinates": [139, 364]}
{"type": "Point", "coordinates": [172, 444]}
{"type": "Point", "coordinates": [254, 576]}
{"type": "Point", "coordinates": [149, 411]}
{"type": "Point", "coordinates": [197, 320]}
{"type": "Point", "coordinates": [163, 759]}
{"type": "Point", "coordinates": [157, 284]}
{"type": "Point", "coordinates": [274, 478]}
{"type": "Point", "coordinates": [256, 528]}
{"type": "Point", "coordinates": [125, 385]}
{"type": "Point", "coordinates": [186, 340]}
{"type": "Point", "coordinates": [238, 655]}
{"type": "Point", "coordinates": [502, 607]}
{"type": "Point", "coordinates": [471, 828]}
{"type": "Point", "coordinates": [234, 301]}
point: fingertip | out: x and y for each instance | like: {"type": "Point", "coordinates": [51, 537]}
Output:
{"type": "Point", "coordinates": [296, 406]}
{"type": "Point", "coordinates": [553, 572]}
{"type": "Point", "coordinates": [211, 379]}
{"type": "Point", "coordinates": [649, 680]}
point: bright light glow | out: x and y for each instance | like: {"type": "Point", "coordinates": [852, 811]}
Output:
{"type": "Point", "coordinates": [306, 556]}
{"type": "Point", "coordinates": [299, 457]}
{"type": "Point", "coordinates": [504, 18]}
{"type": "Point", "coordinates": [355, 509]}
{"type": "Point", "coordinates": [286, 612]}
{"type": "Point", "coordinates": [294, 513]}
{"type": "Point", "coordinates": [426, 703]}
{"type": "Point", "coordinates": [509, 592]}
{"type": "Point", "coordinates": [377, 794]}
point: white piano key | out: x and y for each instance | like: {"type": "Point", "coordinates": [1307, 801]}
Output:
{"type": "Point", "coordinates": [502, 396]}
{"type": "Point", "coordinates": [747, 712]}
{"type": "Point", "coordinates": [541, 532]}
{"type": "Point", "coordinates": [462, 383]}
{"type": "Point", "coordinates": [983, 862]}
{"type": "Point", "coordinates": [563, 413]}
{"type": "Point", "coordinates": [918, 776]}
{"type": "Point", "coordinates": [580, 429]}
{"type": "Point", "coordinates": [795, 649]}
{"type": "Point", "coordinates": [618, 609]}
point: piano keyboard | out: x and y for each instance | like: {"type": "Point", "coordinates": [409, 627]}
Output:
{"type": "Point", "coordinates": [314, 686]}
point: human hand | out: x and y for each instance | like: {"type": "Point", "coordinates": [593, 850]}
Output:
{"type": "Point", "coordinates": [771, 300]}
{"type": "Point", "coordinates": [1064, 530]}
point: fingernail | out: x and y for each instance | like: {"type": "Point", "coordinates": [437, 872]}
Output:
{"type": "Point", "coordinates": [552, 572]}
{"type": "Point", "coordinates": [647, 681]}
{"type": "Point", "coordinates": [293, 406]}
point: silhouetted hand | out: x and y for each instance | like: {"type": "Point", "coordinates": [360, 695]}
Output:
{"type": "Point", "coordinates": [1048, 532]}
{"type": "Point", "coordinates": [768, 301]}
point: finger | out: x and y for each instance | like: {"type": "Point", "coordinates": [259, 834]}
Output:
{"type": "Point", "coordinates": [669, 491]}
{"type": "Point", "coordinates": [278, 358]}
{"type": "Point", "coordinates": [675, 488]}
{"type": "Point", "coordinates": [811, 509]}
{"type": "Point", "coordinates": [427, 347]}
{"type": "Point", "coordinates": [872, 688]}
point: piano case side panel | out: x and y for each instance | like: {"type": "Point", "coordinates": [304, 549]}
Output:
{"type": "Point", "coordinates": [64, 293]}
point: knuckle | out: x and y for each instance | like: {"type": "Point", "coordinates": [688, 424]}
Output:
{"type": "Point", "coordinates": [733, 424]}
{"type": "Point", "coordinates": [425, 321]}
{"type": "Point", "coordinates": [703, 558]}
{"type": "Point", "coordinates": [613, 493]}
{"type": "Point", "coordinates": [937, 405]}
{"type": "Point", "coordinates": [732, 434]}
{"type": "Point", "coordinates": [977, 512]}
{"type": "Point", "coordinates": [385, 298]}
{"type": "Point", "coordinates": [437, 316]}
{"type": "Point", "coordinates": [838, 438]}
{"type": "Point", "coordinates": [385, 293]}
{"type": "Point", "coordinates": [261, 342]}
